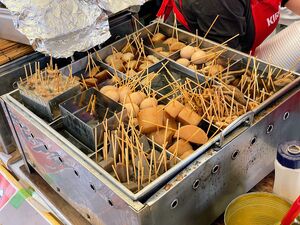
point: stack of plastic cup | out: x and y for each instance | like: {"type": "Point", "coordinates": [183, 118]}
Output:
{"type": "Point", "coordinates": [283, 49]}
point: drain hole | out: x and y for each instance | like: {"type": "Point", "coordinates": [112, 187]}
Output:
{"type": "Point", "coordinates": [60, 159]}
{"type": "Point", "coordinates": [235, 154]}
{"type": "Point", "coordinates": [57, 189]}
{"type": "Point", "coordinates": [76, 173]}
{"type": "Point", "coordinates": [286, 115]}
{"type": "Point", "coordinates": [88, 216]}
{"type": "Point", "coordinates": [93, 187]}
{"type": "Point", "coordinates": [215, 169]}
{"type": "Point", "coordinates": [196, 184]}
{"type": "Point", "coordinates": [174, 204]}
{"type": "Point", "coordinates": [270, 128]}
{"type": "Point", "coordinates": [110, 202]}
{"type": "Point", "coordinates": [253, 140]}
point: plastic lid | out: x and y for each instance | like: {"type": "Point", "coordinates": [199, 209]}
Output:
{"type": "Point", "coordinates": [288, 154]}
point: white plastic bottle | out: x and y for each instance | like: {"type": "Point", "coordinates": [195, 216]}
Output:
{"type": "Point", "coordinates": [287, 171]}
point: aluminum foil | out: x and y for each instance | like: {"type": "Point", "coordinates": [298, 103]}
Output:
{"type": "Point", "coordinates": [115, 6]}
{"type": "Point", "coordinates": [59, 28]}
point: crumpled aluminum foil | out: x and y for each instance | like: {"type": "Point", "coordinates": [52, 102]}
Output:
{"type": "Point", "coordinates": [115, 6]}
{"type": "Point", "coordinates": [59, 28]}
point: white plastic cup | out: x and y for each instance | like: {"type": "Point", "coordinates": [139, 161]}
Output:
{"type": "Point", "coordinates": [283, 49]}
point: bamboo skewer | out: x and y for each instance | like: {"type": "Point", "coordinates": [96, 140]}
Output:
{"type": "Point", "coordinates": [96, 145]}
{"type": "Point", "coordinates": [116, 174]}
{"type": "Point", "coordinates": [151, 160]}
{"type": "Point", "coordinates": [143, 26]}
{"type": "Point", "coordinates": [155, 163]}
{"type": "Point", "coordinates": [142, 175]}
{"type": "Point", "coordinates": [127, 165]}
{"type": "Point", "coordinates": [114, 148]}
{"type": "Point", "coordinates": [139, 175]}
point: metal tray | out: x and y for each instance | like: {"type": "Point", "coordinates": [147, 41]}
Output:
{"type": "Point", "coordinates": [246, 154]}
{"type": "Point", "coordinates": [228, 165]}
{"type": "Point", "coordinates": [47, 109]}
{"type": "Point", "coordinates": [82, 124]}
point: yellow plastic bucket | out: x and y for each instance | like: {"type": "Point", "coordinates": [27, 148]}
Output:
{"type": "Point", "coordinates": [257, 208]}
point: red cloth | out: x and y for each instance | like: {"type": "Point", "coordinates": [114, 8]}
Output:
{"type": "Point", "coordinates": [169, 5]}
{"type": "Point", "coordinates": [265, 14]}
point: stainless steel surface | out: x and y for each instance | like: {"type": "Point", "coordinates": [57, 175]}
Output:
{"type": "Point", "coordinates": [70, 172]}
{"type": "Point", "coordinates": [195, 191]}
{"type": "Point", "coordinates": [46, 108]}
{"type": "Point", "coordinates": [204, 188]}
{"type": "Point", "coordinates": [120, 25]}
{"type": "Point", "coordinates": [9, 73]}
{"type": "Point", "coordinates": [232, 175]}
{"type": "Point", "coordinates": [66, 213]}
{"type": "Point", "coordinates": [14, 64]}
{"type": "Point", "coordinates": [86, 135]}
{"type": "Point", "coordinates": [81, 124]}
{"type": "Point", "coordinates": [6, 141]}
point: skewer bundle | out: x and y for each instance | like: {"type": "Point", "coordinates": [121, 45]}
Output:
{"type": "Point", "coordinates": [131, 158]}
{"type": "Point", "coordinates": [126, 151]}
{"type": "Point", "coordinates": [47, 83]}
{"type": "Point", "coordinates": [132, 58]}
{"type": "Point", "coordinates": [164, 45]}
{"type": "Point", "coordinates": [259, 85]}
{"type": "Point", "coordinates": [159, 131]}
{"type": "Point", "coordinates": [94, 74]}
{"type": "Point", "coordinates": [223, 102]}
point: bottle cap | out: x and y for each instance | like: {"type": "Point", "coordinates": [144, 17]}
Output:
{"type": "Point", "coordinates": [288, 154]}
